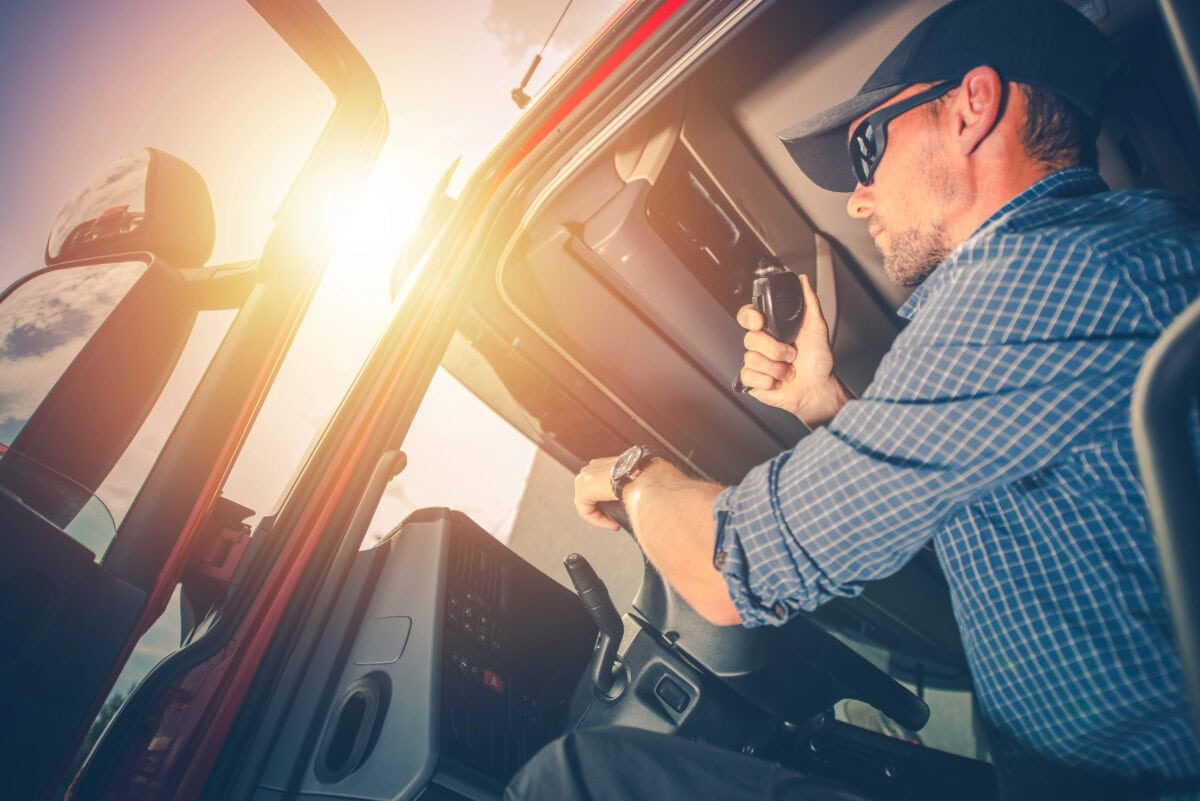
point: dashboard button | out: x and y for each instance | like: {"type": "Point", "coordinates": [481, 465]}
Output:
{"type": "Point", "coordinates": [671, 694]}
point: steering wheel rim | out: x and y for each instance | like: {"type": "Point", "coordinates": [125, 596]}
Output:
{"type": "Point", "coordinates": [763, 664]}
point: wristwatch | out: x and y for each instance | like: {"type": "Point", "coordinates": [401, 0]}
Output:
{"type": "Point", "coordinates": [630, 464]}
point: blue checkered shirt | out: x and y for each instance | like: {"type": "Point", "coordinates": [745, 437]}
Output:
{"type": "Point", "coordinates": [998, 427]}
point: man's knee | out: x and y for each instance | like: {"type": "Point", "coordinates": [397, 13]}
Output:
{"type": "Point", "coordinates": [562, 769]}
{"type": "Point", "coordinates": [631, 764]}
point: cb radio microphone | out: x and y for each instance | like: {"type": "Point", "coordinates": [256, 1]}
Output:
{"type": "Point", "coordinates": [779, 298]}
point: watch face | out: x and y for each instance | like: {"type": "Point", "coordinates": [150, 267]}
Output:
{"type": "Point", "coordinates": [627, 461]}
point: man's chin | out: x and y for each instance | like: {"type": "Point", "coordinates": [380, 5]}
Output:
{"type": "Point", "coordinates": [913, 255]}
{"type": "Point", "coordinates": [904, 273]}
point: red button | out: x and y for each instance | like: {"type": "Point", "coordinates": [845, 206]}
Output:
{"type": "Point", "coordinates": [493, 681]}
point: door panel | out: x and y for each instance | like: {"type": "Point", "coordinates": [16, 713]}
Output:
{"type": "Point", "coordinates": [447, 663]}
{"type": "Point", "coordinates": [63, 621]}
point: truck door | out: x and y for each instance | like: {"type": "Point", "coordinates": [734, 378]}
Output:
{"type": "Point", "coordinates": [125, 280]}
{"type": "Point", "coordinates": [208, 706]}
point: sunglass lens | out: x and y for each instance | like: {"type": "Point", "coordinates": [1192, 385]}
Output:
{"type": "Point", "coordinates": [862, 152]}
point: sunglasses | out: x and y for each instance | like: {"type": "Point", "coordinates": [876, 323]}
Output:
{"type": "Point", "coordinates": [869, 139]}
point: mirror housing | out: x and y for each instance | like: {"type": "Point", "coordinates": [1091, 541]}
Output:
{"type": "Point", "coordinates": [149, 201]}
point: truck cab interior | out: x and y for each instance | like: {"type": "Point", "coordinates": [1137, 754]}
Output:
{"type": "Point", "coordinates": [602, 315]}
{"type": "Point", "coordinates": [598, 313]}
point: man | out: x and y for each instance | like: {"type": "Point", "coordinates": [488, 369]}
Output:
{"type": "Point", "coordinates": [998, 424]}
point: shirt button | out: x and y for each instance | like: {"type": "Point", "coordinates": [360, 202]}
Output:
{"type": "Point", "coordinates": [781, 611]}
{"type": "Point", "coordinates": [719, 560]}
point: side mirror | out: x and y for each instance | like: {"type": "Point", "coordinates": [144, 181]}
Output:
{"type": "Point", "coordinates": [149, 201]}
{"type": "Point", "coordinates": [88, 343]}
{"type": "Point", "coordinates": [85, 351]}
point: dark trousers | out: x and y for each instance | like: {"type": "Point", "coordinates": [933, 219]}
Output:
{"type": "Point", "coordinates": [607, 764]}
{"type": "Point", "coordinates": [622, 764]}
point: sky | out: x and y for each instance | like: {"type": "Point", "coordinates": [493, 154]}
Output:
{"type": "Point", "coordinates": [85, 83]}
{"type": "Point", "coordinates": [82, 84]}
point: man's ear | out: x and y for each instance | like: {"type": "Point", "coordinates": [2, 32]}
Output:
{"type": "Point", "coordinates": [977, 107]}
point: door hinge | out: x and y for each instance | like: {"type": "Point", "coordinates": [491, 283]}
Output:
{"type": "Point", "coordinates": [218, 552]}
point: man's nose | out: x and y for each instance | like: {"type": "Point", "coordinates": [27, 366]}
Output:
{"type": "Point", "coordinates": [859, 205]}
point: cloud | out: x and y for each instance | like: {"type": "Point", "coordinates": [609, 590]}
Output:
{"type": "Point", "coordinates": [43, 326]}
{"type": "Point", "coordinates": [36, 338]}
{"type": "Point", "coordinates": [24, 382]}
{"type": "Point", "coordinates": [523, 25]}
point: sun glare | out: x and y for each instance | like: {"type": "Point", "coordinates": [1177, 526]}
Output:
{"type": "Point", "coordinates": [373, 227]}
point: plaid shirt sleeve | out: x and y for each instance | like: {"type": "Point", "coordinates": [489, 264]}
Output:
{"type": "Point", "coordinates": [856, 500]}
{"type": "Point", "coordinates": [1022, 342]}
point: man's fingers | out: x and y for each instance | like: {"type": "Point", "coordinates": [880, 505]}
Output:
{"type": "Point", "coordinates": [752, 379]}
{"type": "Point", "coordinates": [592, 485]}
{"type": "Point", "coordinates": [779, 371]}
{"type": "Point", "coordinates": [765, 344]}
{"type": "Point", "coordinates": [591, 514]}
{"type": "Point", "coordinates": [749, 318]}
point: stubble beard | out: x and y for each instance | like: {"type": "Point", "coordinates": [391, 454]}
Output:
{"type": "Point", "coordinates": [916, 252]}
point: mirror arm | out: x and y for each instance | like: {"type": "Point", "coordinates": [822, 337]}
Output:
{"type": "Point", "coordinates": [223, 287]}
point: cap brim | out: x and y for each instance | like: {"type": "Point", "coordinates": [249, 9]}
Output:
{"type": "Point", "coordinates": [818, 145]}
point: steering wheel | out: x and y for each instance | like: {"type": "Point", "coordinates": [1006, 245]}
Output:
{"type": "Point", "coordinates": [793, 672]}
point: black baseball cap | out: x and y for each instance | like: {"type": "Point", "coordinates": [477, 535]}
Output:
{"type": "Point", "coordinates": [1045, 43]}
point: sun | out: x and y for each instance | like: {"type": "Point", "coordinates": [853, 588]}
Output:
{"type": "Point", "coordinates": [371, 227]}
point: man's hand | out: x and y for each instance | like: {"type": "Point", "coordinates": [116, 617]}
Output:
{"type": "Point", "coordinates": [672, 517]}
{"type": "Point", "coordinates": [593, 485]}
{"type": "Point", "coordinates": [796, 378]}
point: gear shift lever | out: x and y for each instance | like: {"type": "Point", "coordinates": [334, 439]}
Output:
{"type": "Point", "coordinates": [599, 605]}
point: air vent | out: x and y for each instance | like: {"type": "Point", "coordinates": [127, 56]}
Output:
{"type": "Point", "coordinates": [478, 572]}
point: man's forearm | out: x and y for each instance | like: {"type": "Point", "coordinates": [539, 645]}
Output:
{"type": "Point", "coordinates": [671, 516]}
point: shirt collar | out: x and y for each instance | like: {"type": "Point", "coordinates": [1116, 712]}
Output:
{"type": "Point", "coordinates": [1071, 182]}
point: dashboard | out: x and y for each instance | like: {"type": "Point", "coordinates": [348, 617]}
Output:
{"type": "Point", "coordinates": [449, 661]}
